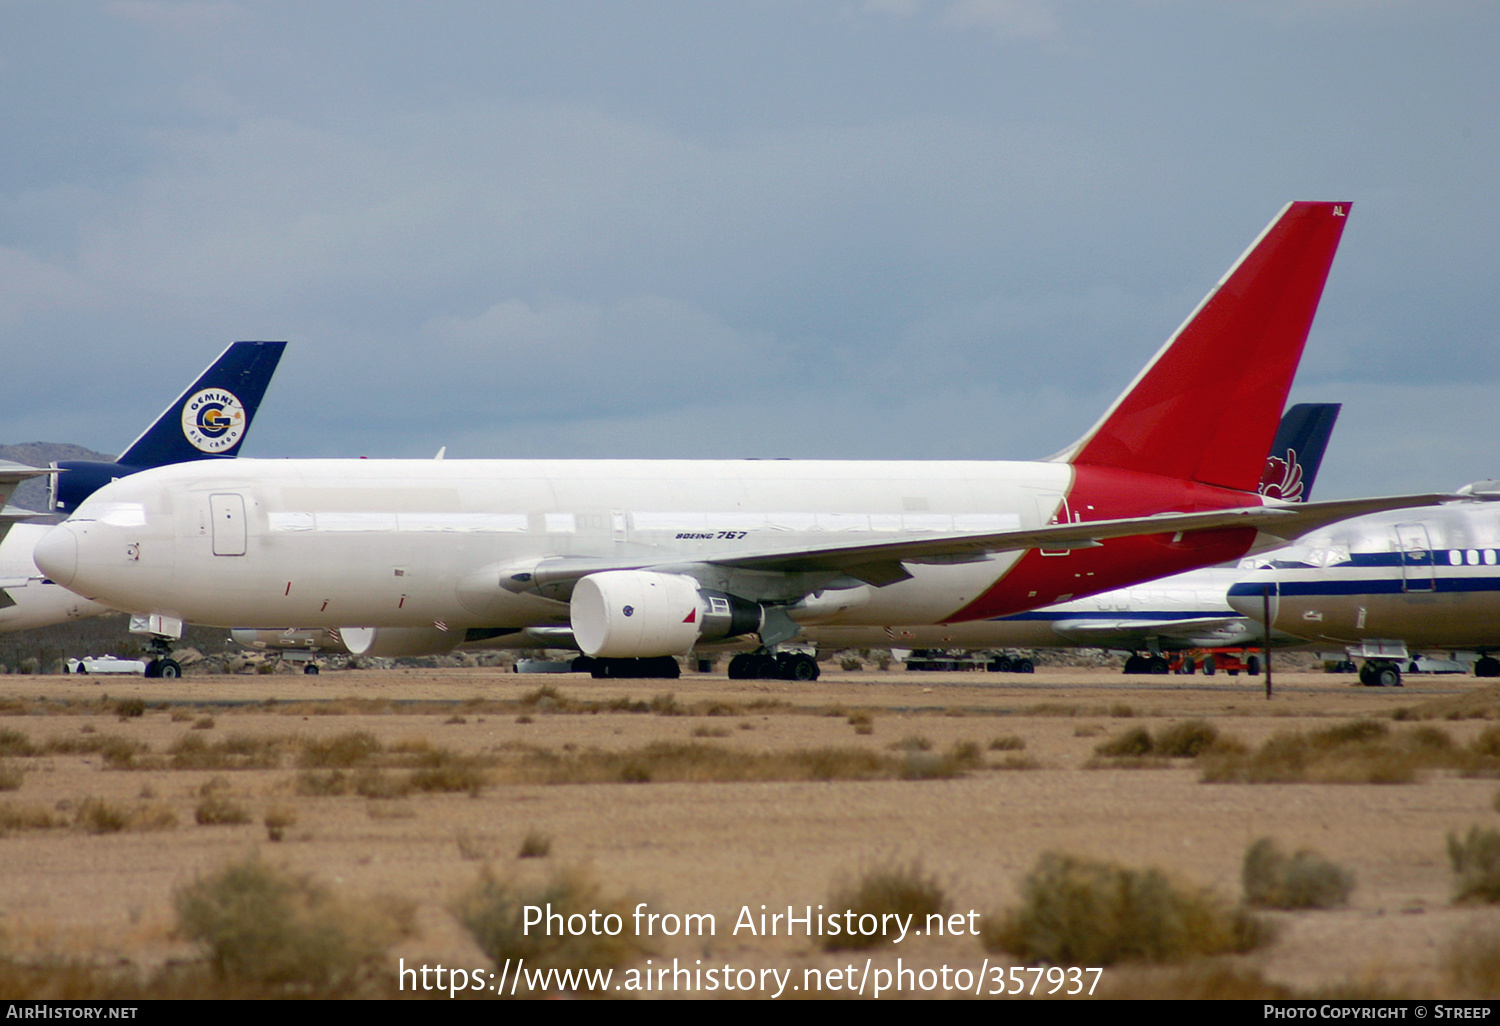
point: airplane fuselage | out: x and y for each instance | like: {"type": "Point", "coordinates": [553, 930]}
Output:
{"type": "Point", "coordinates": [1428, 578]}
{"type": "Point", "coordinates": [344, 543]}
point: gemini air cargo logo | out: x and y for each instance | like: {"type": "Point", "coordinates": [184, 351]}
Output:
{"type": "Point", "coordinates": [213, 420]}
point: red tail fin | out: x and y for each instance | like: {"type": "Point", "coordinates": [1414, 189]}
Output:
{"type": "Point", "coordinates": [1206, 408]}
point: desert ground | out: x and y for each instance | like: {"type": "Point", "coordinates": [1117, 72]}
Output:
{"type": "Point", "coordinates": [106, 897]}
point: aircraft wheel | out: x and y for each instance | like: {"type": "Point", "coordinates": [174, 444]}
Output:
{"type": "Point", "coordinates": [581, 664]}
{"type": "Point", "coordinates": [662, 667]}
{"type": "Point", "coordinates": [169, 668]}
{"type": "Point", "coordinates": [798, 667]}
{"type": "Point", "coordinates": [310, 669]}
{"type": "Point", "coordinates": [1487, 666]}
{"type": "Point", "coordinates": [740, 667]}
{"type": "Point", "coordinates": [153, 668]}
{"type": "Point", "coordinates": [1157, 665]}
{"type": "Point", "coordinates": [1025, 666]}
{"type": "Point", "coordinates": [1001, 665]}
{"type": "Point", "coordinates": [1135, 664]}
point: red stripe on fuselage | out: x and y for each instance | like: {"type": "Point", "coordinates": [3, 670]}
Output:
{"type": "Point", "coordinates": [1106, 493]}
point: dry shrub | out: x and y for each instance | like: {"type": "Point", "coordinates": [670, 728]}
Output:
{"type": "Point", "coordinates": [1186, 740]}
{"type": "Point", "coordinates": [15, 817]}
{"type": "Point", "coordinates": [278, 818]}
{"type": "Point", "coordinates": [535, 845]}
{"type": "Point", "coordinates": [103, 816]}
{"type": "Point", "coordinates": [11, 777]}
{"type": "Point", "coordinates": [711, 732]}
{"type": "Point", "coordinates": [343, 751]}
{"type": "Point", "coordinates": [236, 752]}
{"type": "Point", "coordinates": [493, 913]}
{"type": "Point", "coordinates": [1007, 743]}
{"type": "Point", "coordinates": [118, 752]}
{"type": "Point", "coordinates": [1472, 962]}
{"type": "Point", "coordinates": [203, 723]}
{"type": "Point", "coordinates": [217, 808]}
{"type": "Point", "coordinates": [702, 763]}
{"type": "Point", "coordinates": [270, 927]}
{"type": "Point", "coordinates": [130, 708]}
{"type": "Point", "coordinates": [1360, 752]}
{"type": "Point", "coordinates": [1304, 880]}
{"type": "Point", "coordinates": [1134, 742]}
{"type": "Point", "coordinates": [903, 890]}
{"type": "Point", "coordinates": [1077, 912]}
{"type": "Point", "coordinates": [14, 742]}
{"type": "Point", "coordinates": [1476, 866]}
{"type": "Point", "coordinates": [373, 783]}
{"type": "Point", "coordinates": [443, 770]}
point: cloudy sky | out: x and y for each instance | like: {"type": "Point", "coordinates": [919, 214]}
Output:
{"type": "Point", "coordinates": [806, 228]}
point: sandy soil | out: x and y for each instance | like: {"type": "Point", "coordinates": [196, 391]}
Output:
{"type": "Point", "coordinates": [714, 848]}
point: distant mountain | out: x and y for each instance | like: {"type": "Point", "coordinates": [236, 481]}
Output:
{"type": "Point", "coordinates": [33, 494]}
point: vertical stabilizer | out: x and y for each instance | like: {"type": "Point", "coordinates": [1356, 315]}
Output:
{"type": "Point", "coordinates": [1206, 408]}
{"type": "Point", "coordinates": [212, 416]}
{"type": "Point", "coordinates": [1297, 452]}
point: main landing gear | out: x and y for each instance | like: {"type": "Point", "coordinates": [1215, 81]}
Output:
{"type": "Point", "coordinates": [161, 663]}
{"type": "Point", "coordinates": [766, 666]}
{"type": "Point", "coordinates": [1380, 673]}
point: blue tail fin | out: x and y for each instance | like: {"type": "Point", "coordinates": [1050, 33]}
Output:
{"type": "Point", "coordinates": [208, 421]}
{"type": "Point", "coordinates": [1297, 452]}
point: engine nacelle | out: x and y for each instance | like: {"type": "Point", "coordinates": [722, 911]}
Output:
{"type": "Point", "coordinates": [627, 614]}
{"type": "Point", "coordinates": [399, 641]}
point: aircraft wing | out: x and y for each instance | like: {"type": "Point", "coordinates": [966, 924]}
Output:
{"type": "Point", "coordinates": [1127, 632]}
{"type": "Point", "coordinates": [880, 563]}
{"type": "Point", "coordinates": [12, 474]}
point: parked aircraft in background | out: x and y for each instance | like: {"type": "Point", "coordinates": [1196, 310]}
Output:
{"type": "Point", "coordinates": [208, 421]}
{"type": "Point", "coordinates": [638, 560]}
{"type": "Point", "coordinates": [1183, 612]}
{"type": "Point", "coordinates": [1387, 586]}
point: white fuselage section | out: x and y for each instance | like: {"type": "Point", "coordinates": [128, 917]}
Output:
{"type": "Point", "coordinates": [393, 543]}
{"type": "Point", "coordinates": [35, 601]}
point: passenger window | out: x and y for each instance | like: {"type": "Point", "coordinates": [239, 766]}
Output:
{"type": "Point", "coordinates": [1455, 558]}
{"type": "Point", "coordinates": [1472, 557]}
{"type": "Point", "coordinates": [1489, 557]}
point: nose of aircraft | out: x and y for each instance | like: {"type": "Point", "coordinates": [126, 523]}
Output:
{"type": "Point", "coordinates": [1248, 598]}
{"type": "Point", "coordinates": [56, 555]}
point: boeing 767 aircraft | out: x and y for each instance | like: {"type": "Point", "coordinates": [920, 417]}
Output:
{"type": "Point", "coordinates": [640, 560]}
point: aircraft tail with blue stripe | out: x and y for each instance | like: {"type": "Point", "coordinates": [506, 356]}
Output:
{"type": "Point", "coordinates": [1297, 451]}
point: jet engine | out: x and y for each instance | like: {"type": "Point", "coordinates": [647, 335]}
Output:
{"type": "Point", "coordinates": [626, 614]}
{"type": "Point", "coordinates": [399, 641]}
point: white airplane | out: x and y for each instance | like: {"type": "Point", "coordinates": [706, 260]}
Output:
{"type": "Point", "coordinates": [208, 421]}
{"type": "Point", "coordinates": [1387, 586]}
{"type": "Point", "coordinates": [634, 561]}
